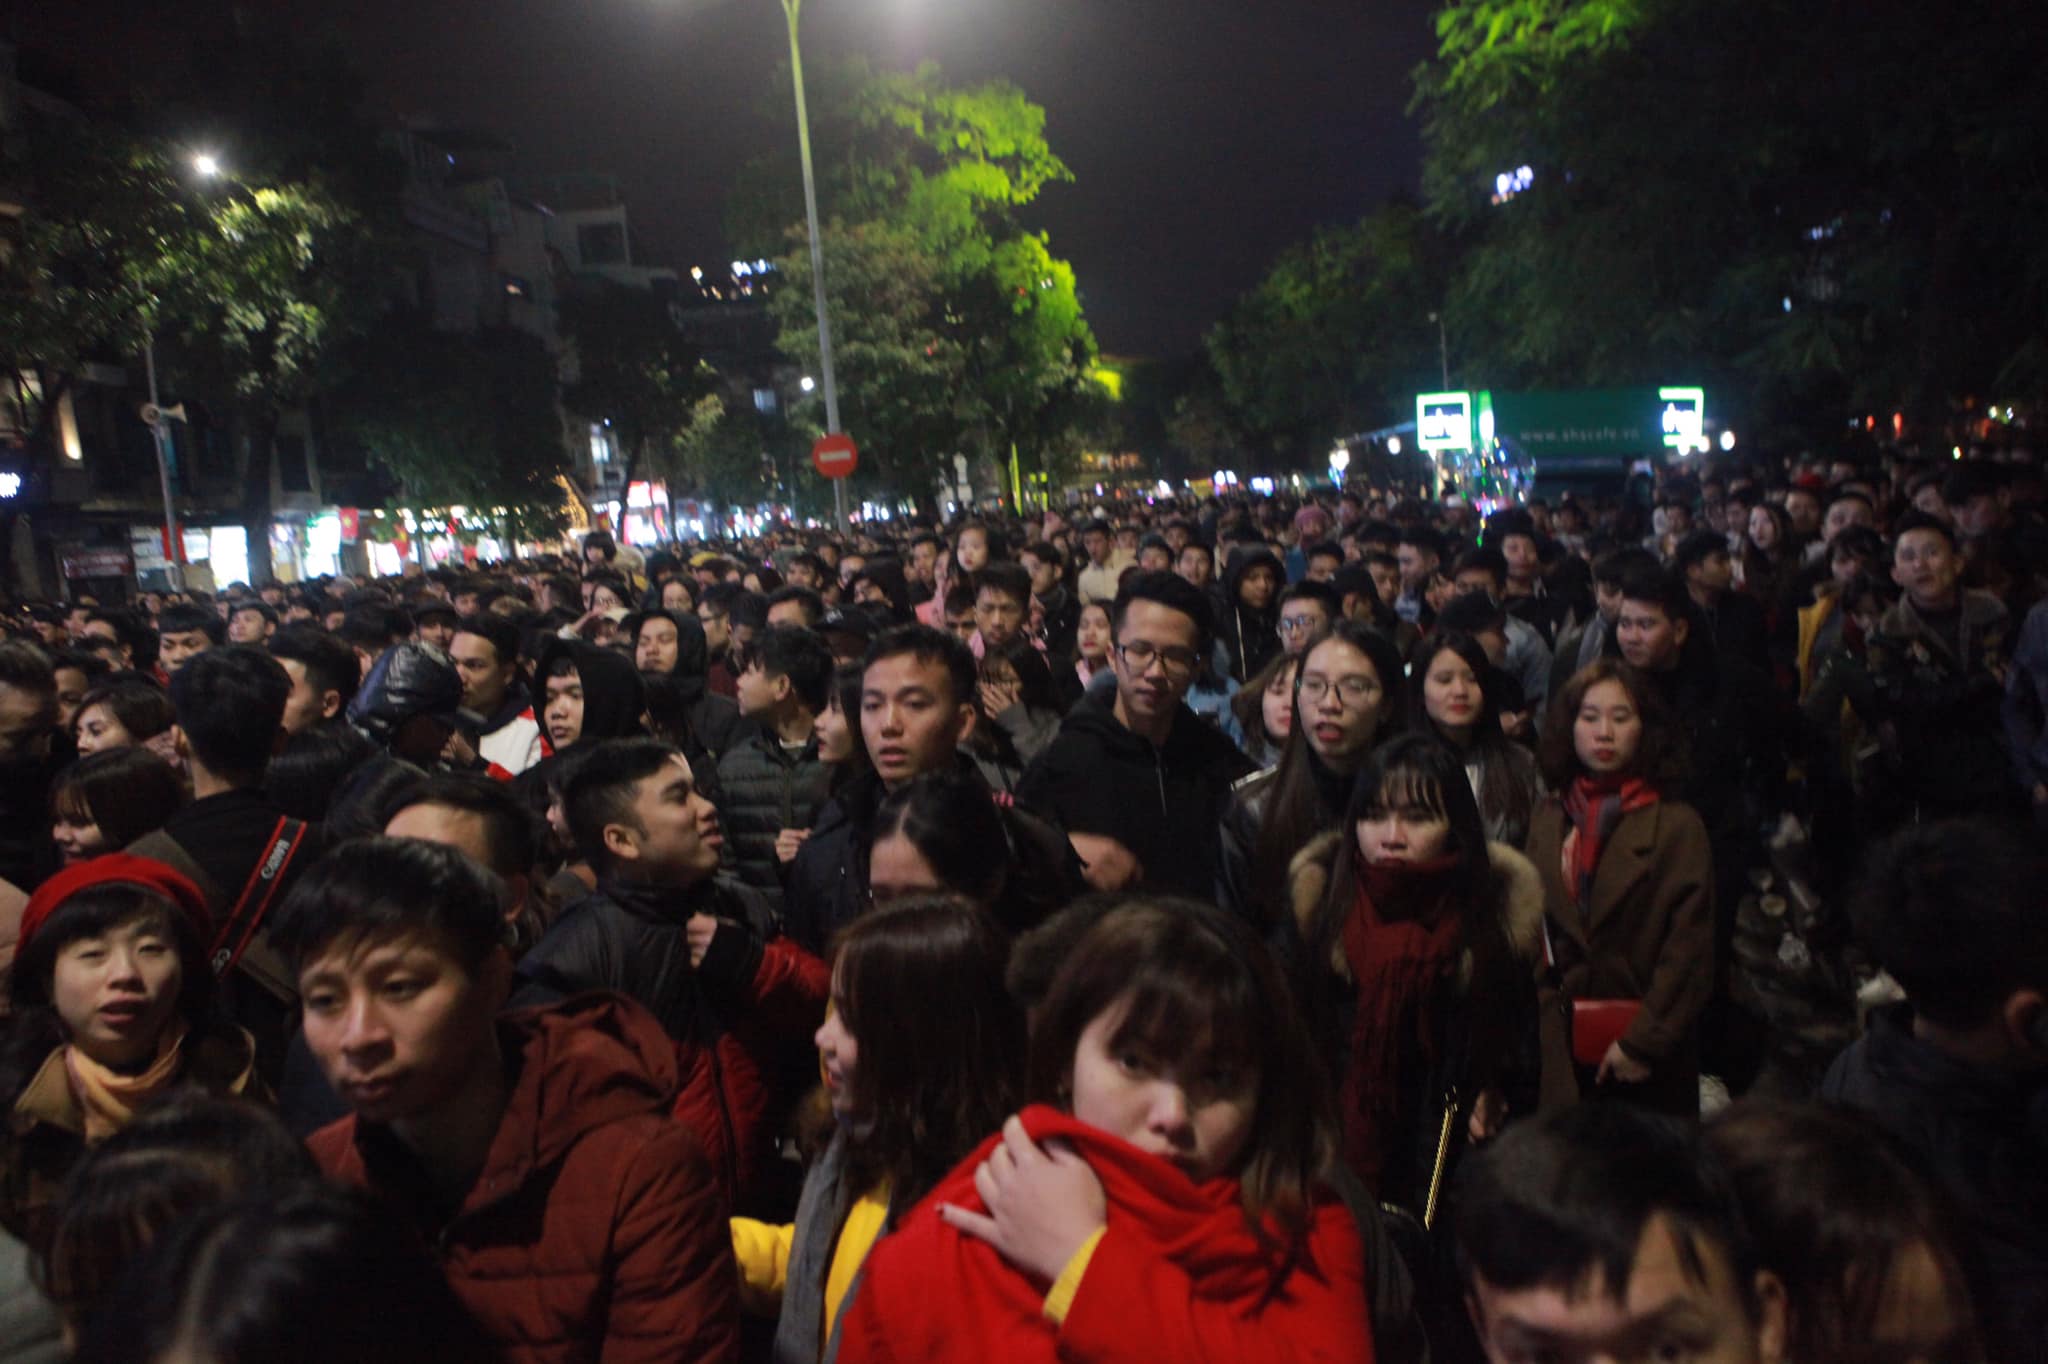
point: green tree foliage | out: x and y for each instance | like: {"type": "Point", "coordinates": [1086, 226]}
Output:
{"type": "Point", "coordinates": [244, 287]}
{"type": "Point", "coordinates": [955, 329]}
{"type": "Point", "coordinates": [458, 419]}
{"type": "Point", "coordinates": [1833, 208]}
{"type": "Point", "coordinates": [902, 377]}
{"type": "Point", "coordinates": [75, 276]}
{"type": "Point", "coordinates": [1333, 339]}
{"type": "Point", "coordinates": [632, 366]}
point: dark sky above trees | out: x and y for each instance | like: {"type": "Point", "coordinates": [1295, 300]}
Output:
{"type": "Point", "coordinates": [1204, 135]}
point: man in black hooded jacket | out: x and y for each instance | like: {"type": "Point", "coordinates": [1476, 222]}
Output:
{"type": "Point", "coordinates": [1136, 779]}
{"type": "Point", "coordinates": [674, 659]}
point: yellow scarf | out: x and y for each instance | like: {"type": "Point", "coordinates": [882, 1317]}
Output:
{"type": "Point", "coordinates": [106, 1098]}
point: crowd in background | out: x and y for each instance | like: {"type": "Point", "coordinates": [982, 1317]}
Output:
{"type": "Point", "coordinates": [1329, 927]}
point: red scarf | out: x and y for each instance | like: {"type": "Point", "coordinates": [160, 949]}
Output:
{"type": "Point", "coordinates": [1396, 958]}
{"type": "Point", "coordinates": [1595, 805]}
{"type": "Point", "coordinates": [932, 1293]}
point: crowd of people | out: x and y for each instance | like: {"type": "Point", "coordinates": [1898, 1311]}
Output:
{"type": "Point", "coordinates": [1340, 927]}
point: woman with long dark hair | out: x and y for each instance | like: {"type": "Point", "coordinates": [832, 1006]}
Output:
{"type": "Point", "coordinates": [1349, 695]}
{"type": "Point", "coordinates": [1419, 947]}
{"type": "Point", "coordinates": [1166, 1196]}
{"type": "Point", "coordinates": [1264, 709]}
{"type": "Point", "coordinates": [939, 833]}
{"type": "Point", "coordinates": [1454, 701]}
{"type": "Point", "coordinates": [1628, 888]}
{"type": "Point", "coordinates": [109, 799]}
{"type": "Point", "coordinates": [923, 1052]}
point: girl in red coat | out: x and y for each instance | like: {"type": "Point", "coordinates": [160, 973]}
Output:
{"type": "Point", "coordinates": [1165, 1199]}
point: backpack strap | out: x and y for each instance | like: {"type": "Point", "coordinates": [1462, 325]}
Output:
{"type": "Point", "coordinates": [247, 913]}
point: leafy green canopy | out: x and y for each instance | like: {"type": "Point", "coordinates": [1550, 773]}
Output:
{"type": "Point", "coordinates": [1835, 208]}
{"type": "Point", "coordinates": [955, 329]}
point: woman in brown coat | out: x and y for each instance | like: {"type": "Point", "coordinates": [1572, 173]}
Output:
{"type": "Point", "coordinates": [1628, 900]}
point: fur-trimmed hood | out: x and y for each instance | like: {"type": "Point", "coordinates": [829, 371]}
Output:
{"type": "Point", "coordinates": [1518, 900]}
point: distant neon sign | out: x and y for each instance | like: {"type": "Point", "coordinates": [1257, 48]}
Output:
{"type": "Point", "coordinates": [1683, 418]}
{"type": "Point", "coordinates": [1443, 421]}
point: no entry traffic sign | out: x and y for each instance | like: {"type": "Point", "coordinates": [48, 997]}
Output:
{"type": "Point", "coordinates": [835, 456]}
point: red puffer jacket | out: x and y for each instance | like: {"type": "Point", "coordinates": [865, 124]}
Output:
{"type": "Point", "coordinates": [740, 1019]}
{"type": "Point", "coordinates": [1177, 1276]}
{"type": "Point", "coordinates": [596, 1229]}
{"type": "Point", "coordinates": [736, 1091]}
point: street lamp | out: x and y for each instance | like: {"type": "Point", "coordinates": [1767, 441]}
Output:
{"type": "Point", "coordinates": [790, 9]}
{"type": "Point", "coordinates": [207, 164]}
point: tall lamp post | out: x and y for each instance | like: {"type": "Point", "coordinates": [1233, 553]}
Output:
{"type": "Point", "coordinates": [208, 166]}
{"type": "Point", "coordinates": [790, 9]}
{"type": "Point", "coordinates": [159, 431]}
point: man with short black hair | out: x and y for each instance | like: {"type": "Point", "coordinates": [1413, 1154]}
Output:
{"type": "Point", "coordinates": [1099, 575]}
{"type": "Point", "coordinates": [664, 928]}
{"type": "Point", "coordinates": [1322, 560]}
{"type": "Point", "coordinates": [1002, 607]}
{"type": "Point", "coordinates": [233, 841]}
{"type": "Point", "coordinates": [918, 688]}
{"type": "Point", "coordinates": [485, 821]}
{"type": "Point", "coordinates": [1959, 1072]}
{"type": "Point", "coordinates": [798, 606]}
{"type": "Point", "coordinates": [1136, 779]}
{"type": "Point", "coordinates": [184, 632]}
{"type": "Point", "coordinates": [507, 734]}
{"type": "Point", "coordinates": [1058, 607]}
{"type": "Point", "coordinates": [535, 1151]}
{"type": "Point", "coordinates": [1600, 1232]}
{"type": "Point", "coordinates": [1417, 552]}
{"type": "Point", "coordinates": [772, 783]}
{"type": "Point", "coordinates": [435, 621]}
{"type": "Point", "coordinates": [251, 622]}
{"type": "Point", "coordinates": [1734, 620]}
{"type": "Point", "coordinates": [324, 675]}
{"type": "Point", "coordinates": [1307, 611]}
{"type": "Point", "coordinates": [1938, 663]}
{"type": "Point", "coordinates": [1485, 570]}
{"type": "Point", "coordinates": [76, 672]}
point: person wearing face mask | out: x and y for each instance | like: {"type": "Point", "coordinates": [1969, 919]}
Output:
{"type": "Point", "coordinates": [1351, 695]}
{"type": "Point", "coordinates": [1418, 942]}
{"type": "Point", "coordinates": [1628, 890]}
{"type": "Point", "coordinates": [111, 1002]}
{"type": "Point", "coordinates": [1167, 1195]}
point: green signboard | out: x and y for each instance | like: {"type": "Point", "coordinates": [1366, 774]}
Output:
{"type": "Point", "coordinates": [1443, 421]}
{"type": "Point", "coordinates": [1601, 421]}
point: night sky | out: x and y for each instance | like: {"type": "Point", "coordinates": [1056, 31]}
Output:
{"type": "Point", "coordinates": [1204, 135]}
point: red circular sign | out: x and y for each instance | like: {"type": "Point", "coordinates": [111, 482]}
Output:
{"type": "Point", "coordinates": [835, 456]}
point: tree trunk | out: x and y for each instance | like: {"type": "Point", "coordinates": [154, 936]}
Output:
{"type": "Point", "coordinates": [259, 430]}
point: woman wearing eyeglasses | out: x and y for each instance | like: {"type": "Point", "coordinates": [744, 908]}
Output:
{"type": "Point", "coordinates": [1349, 696]}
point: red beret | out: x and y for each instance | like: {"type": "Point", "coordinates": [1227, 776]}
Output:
{"type": "Point", "coordinates": [114, 869]}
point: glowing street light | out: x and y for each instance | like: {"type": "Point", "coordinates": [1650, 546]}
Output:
{"type": "Point", "coordinates": [1393, 445]}
{"type": "Point", "coordinates": [207, 164]}
{"type": "Point", "coordinates": [807, 383]}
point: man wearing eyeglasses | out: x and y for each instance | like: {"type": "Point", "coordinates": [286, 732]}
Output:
{"type": "Point", "coordinates": [1307, 611]}
{"type": "Point", "coordinates": [1136, 779]}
